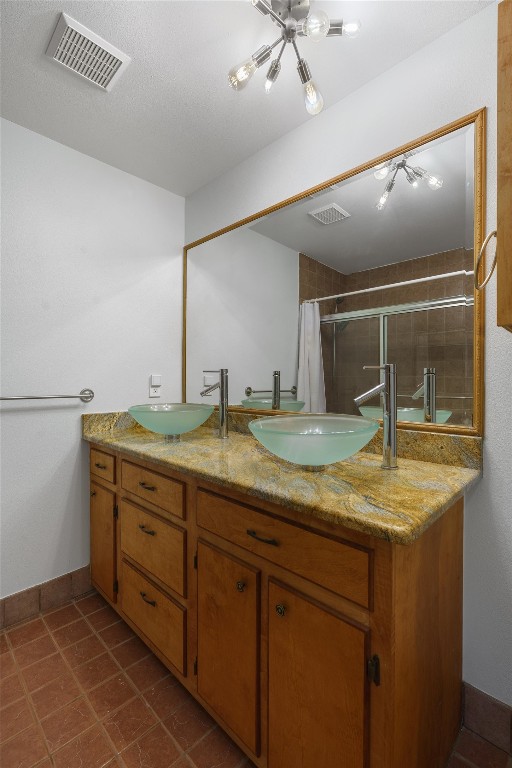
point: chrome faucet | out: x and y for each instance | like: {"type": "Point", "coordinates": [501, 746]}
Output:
{"type": "Point", "coordinates": [222, 386]}
{"type": "Point", "coordinates": [428, 390]}
{"type": "Point", "coordinates": [276, 391]}
{"type": "Point", "coordinates": [387, 389]}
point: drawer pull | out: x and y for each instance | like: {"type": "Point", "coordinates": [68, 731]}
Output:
{"type": "Point", "coordinates": [254, 535]}
{"type": "Point", "coordinates": [147, 487]}
{"type": "Point", "coordinates": [280, 609]}
{"type": "Point", "coordinates": [93, 493]}
{"type": "Point", "coordinates": [100, 466]}
{"type": "Point", "coordinates": [149, 602]}
{"type": "Point", "coordinates": [146, 530]}
{"type": "Point", "coordinates": [240, 585]}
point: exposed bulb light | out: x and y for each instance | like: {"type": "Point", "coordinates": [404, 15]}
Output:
{"type": "Point", "coordinates": [313, 98]}
{"type": "Point", "coordinates": [434, 182]}
{"type": "Point", "coordinates": [239, 76]}
{"type": "Point", "coordinates": [382, 202]}
{"type": "Point", "coordinates": [351, 28]}
{"type": "Point", "coordinates": [382, 171]}
{"type": "Point", "coordinates": [272, 74]}
{"type": "Point", "coordinates": [411, 177]}
{"type": "Point", "coordinates": [261, 6]}
{"type": "Point", "coordinates": [316, 26]}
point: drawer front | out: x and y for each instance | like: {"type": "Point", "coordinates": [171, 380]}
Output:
{"type": "Point", "coordinates": [157, 616]}
{"type": "Point", "coordinates": [158, 546]}
{"type": "Point", "coordinates": [153, 487]}
{"type": "Point", "coordinates": [103, 465]}
{"type": "Point", "coordinates": [341, 568]}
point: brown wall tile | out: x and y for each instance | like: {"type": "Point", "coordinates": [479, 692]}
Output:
{"type": "Point", "coordinates": [81, 581]}
{"type": "Point", "coordinates": [489, 718]}
{"type": "Point", "coordinates": [56, 592]}
{"type": "Point", "coordinates": [22, 605]}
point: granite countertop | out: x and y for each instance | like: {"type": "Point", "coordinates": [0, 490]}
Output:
{"type": "Point", "coordinates": [396, 505]}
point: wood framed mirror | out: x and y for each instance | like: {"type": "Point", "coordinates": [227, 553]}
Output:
{"type": "Point", "coordinates": [393, 280]}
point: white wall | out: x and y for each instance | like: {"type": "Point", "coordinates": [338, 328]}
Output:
{"type": "Point", "coordinates": [451, 77]}
{"type": "Point", "coordinates": [225, 326]}
{"type": "Point", "coordinates": [91, 297]}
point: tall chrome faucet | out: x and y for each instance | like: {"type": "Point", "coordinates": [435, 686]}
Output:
{"type": "Point", "coordinates": [428, 390]}
{"type": "Point", "coordinates": [276, 391]}
{"type": "Point", "coordinates": [222, 386]}
{"type": "Point", "coordinates": [387, 388]}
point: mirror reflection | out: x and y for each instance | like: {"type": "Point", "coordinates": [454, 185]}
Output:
{"type": "Point", "coordinates": [377, 268]}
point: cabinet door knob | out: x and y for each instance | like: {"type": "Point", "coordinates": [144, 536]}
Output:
{"type": "Point", "coordinates": [147, 487]}
{"type": "Point", "coordinates": [149, 602]}
{"type": "Point", "coordinates": [240, 585]}
{"type": "Point", "coordinates": [280, 609]}
{"type": "Point", "coordinates": [146, 530]}
{"type": "Point", "coordinates": [93, 493]}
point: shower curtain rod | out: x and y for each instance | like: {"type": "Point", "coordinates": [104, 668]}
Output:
{"type": "Point", "coordinates": [390, 285]}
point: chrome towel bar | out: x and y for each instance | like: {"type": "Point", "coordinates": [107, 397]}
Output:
{"type": "Point", "coordinates": [86, 395]}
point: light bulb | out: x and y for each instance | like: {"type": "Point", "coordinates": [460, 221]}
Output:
{"type": "Point", "coordinates": [434, 182]}
{"type": "Point", "coordinates": [411, 177]}
{"type": "Point", "coordinates": [316, 25]}
{"type": "Point", "coordinates": [381, 172]}
{"type": "Point", "coordinates": [313, 98]}
{"type": "Point", "coordinates": [382, 202]}
{"type": "Point", "coordinates": [240, 75]}
{"type": "Point", "coordinates": [351, 28]}
{"type": "Point", "coordinates": [273, 72]}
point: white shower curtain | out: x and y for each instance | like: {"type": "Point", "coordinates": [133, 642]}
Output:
{"type": "Point", "coordinates": [310, 385]}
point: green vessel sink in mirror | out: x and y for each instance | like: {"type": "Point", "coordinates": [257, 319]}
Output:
{"type": "Point", "coordinates": [171, 419]}
{"type": "Point", "coordinates": [314, 440]}
{"type": "Point", "coordinates": [265, 404]}
{"type": "Point", "coordinates": [404, 414]}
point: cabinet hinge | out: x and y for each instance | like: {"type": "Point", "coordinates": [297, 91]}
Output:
{"type": "Point", "coordinates": [195, 561]}
{"type": "Point", "coordinates": [116, 512]}
{"type": "Point", "coordinates": [195, 666]}
{"type": "Point", "coordinates": [116, 586]}
{"type": "Point", "coordinates": [373, 670]}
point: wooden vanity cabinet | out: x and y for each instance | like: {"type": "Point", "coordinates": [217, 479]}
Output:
{"type": "Point", "coordinates": [309, 643]}
{"type": "Point", "coordinates": [504, 155]}
{"type": "Point", "coordinates": [103, 514]}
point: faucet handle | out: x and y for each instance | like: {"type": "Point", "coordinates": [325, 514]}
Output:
{"type": "Point", "coordinates": [389, 366]}
{"type": "Point", "coordinates": [217, 371]}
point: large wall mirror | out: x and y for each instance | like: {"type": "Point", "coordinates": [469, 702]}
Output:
{"type": "Point", "coordinates": [383, 255]}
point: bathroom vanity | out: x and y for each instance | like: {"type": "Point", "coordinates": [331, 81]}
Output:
{"type": "Point", "coordinates": [316, 616]}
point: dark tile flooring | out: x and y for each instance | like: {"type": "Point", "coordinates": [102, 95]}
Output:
{"type": "Point", "coordinates": [78, 689]}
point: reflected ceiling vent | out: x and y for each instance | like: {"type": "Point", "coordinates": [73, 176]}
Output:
{"type": "Point", "coordinates": [80, 50]}
{"type": "Point", "coordinates": [329, 214]}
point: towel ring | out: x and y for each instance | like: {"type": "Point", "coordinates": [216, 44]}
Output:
{"type": "Point", "coordinates": [480, 255]}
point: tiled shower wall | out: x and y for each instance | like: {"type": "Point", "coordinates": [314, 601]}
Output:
{"type": "Point", "coordinates": [440, 338]}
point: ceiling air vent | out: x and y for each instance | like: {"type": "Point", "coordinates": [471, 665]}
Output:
{"type": "Point", "coordinates": [329, 214]}
{"type": "Point", "coordinates": [80, 50]}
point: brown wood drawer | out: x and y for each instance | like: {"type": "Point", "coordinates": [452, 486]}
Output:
{"type": "Point", "coordinates": [158, 546]}
{"type": "Point", "coordinates": [103, 465]}
{"type": "Point", "coordinates": [161, 619]}
{"type": "Point", "coordinates": [341, 568]}
{"type": "Point", "coordinates": [153, 487]}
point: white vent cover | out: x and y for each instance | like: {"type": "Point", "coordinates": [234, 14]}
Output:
{"type": "Point", "coordinates": [80, 50]}
{"type": "Point", "coordinates": [329, 214]}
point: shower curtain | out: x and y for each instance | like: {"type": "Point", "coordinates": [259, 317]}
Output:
{"type": "Point", "coordinates": [310, 385]}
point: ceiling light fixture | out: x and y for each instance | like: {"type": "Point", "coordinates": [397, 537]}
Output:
{"type": "Point", "coordinates": [296, 20]}
{"type": "Point", "coordinates": [413, 174]}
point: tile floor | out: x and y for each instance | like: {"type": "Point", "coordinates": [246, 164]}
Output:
{"type": "Point", "coordinates": [79, 690]}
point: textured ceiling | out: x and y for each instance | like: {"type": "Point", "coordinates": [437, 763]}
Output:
{"type": "Point", "coordinates": [172, 118]}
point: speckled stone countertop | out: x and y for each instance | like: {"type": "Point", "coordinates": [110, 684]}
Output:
{"type": "Point", "coordinates": [396, 505]}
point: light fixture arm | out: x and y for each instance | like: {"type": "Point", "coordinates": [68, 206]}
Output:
{"type": "Point", "coordinates": [266, 10]}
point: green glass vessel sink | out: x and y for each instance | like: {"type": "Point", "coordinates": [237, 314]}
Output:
{"type": "Point", "coordinates": [171, 419]}
{"type": "Point", "coordinates": [314, 440]}
{"type": "Point", "coordinates": [404, 414]}
{"type": "Point", "coordinates": [264, 404]}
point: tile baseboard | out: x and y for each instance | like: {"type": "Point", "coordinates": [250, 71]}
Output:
{"type": "Point", "coordinates": [488, 718]}
{"type": "Point", "coordinates": [42, 597]}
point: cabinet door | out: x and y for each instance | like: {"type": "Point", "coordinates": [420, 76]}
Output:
{"type": "Point", "coordinates": [504, 244]}
{"type": "Point", "coordinates": [228, 641]}
{"type": "Point", "coordinates": [317, 685]}
{"type": "Point", "coordinates": [103, 540]}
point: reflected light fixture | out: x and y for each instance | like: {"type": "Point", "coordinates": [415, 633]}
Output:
{"type": "Point", "coordinates": [295, 20]}
{"type": "Point", "coordinates": [413, 174]}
